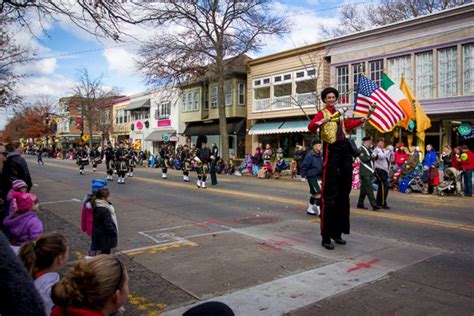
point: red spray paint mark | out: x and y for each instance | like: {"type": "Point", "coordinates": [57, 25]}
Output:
{"type": "Point", "coordinates": [364, 265]}
{"type": "Point", "coordinates": [281, 243]}
{"type": "Point", "coordinates": [292, 238]}
{"type": "Point", "coordinates": [269, 246]}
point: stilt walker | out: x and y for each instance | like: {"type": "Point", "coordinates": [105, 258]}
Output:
{"type": "Point", "coordinates": [338, 153]}
{"type": "Point", "coordinates": [110, 161]}
{"type": "Point", "coordinates": [121, 163]}
{"type": "Point", "coordinates": [82, 159]}
{"type": "Point", "coordinates": [186, 158]}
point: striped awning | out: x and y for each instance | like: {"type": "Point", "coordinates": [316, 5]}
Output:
{"type": "Point", "coordinates": [279, 127]}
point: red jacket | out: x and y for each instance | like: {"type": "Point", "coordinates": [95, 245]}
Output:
{"type": "Point", "coordinates": [468, 164]}
{"type": "Point", "coordinates": [349, 124]}
{"type": "Point", "coordinates": [74, 311]}
{"type": "Point", "coordinates": [400, 159]}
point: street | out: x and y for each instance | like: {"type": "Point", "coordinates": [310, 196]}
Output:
{"type": "Point", "coordinates": [249, 243]}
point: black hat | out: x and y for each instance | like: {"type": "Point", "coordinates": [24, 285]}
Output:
{"type": "Point", "coordinates": [329, 90]}
{"type": "Point", "coordinates": [366, 138]}
{"type": "Point", "coordinates": [315, 141]}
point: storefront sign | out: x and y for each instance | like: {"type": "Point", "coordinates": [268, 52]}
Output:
{"type": "Point", "coordinates": [164, 123]}
{"type": "Point", "coordinates": [166, 137]}
{"type": "Point", "coordinates": [139, 125]}
{"type": "Point", "coordinates": [466, 131]}
{"type": "Point", "coordinates": [174, 138]}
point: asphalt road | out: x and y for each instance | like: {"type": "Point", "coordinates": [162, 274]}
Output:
{"type": "Point", "coordinates": [249, 243]}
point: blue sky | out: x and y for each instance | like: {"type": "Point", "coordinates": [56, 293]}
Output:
{"type": "Point", "coordinates": [66, 49]}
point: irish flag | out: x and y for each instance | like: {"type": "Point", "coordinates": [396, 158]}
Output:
{"type": "Point", "coordinates": [399, 97]}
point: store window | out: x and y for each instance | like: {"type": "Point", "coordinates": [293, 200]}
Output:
{"type": "Point", "coordinates": [447, 71]}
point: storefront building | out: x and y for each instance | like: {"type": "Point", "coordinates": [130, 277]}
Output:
{"type": "Point", "coordinates": [283, 96]}
{"type": "Point", "coordinates": [435, 54]}
{"type": "Point", "coordinates": [200, 113]}
{"type": "Point", "coordinates": [121, 121]}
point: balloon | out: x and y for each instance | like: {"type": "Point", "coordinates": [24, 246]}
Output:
{"type": "Point", "coordinates": [464, 156]}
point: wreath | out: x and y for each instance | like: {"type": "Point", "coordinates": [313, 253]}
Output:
{"type": "Point", "coordinates": [132, 126]}
{"type": "Point", "coordinates": [147, 124]}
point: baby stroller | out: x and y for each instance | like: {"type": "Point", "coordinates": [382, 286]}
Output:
{"type": "Point", "coordinates": [413, 182]}
{"type": "Point", "coordinates": [452, 184]}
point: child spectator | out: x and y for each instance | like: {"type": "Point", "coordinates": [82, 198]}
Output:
{"type": "Point", "coordinates": [87, 211]}
{"type": "Point", "coordinates": [43, 259]}
{"type": "Point", "coordinates": [97, 286]}
{"type": "Point", "coordinates": [17, 186]}
{"type": "Point", "coordinates": [24, 224]}
{"type": "Point", "coordinates": [104, 225]}
{"type": "Point", "coordinates": [248, 163]}
{"type": "Point", "coordinates": [312, 170]}
{"type": "Point", "coordinates": [294, 169]}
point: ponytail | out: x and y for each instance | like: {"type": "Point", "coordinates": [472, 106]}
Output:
{"type": "Point", "coordinates": [40, 254]}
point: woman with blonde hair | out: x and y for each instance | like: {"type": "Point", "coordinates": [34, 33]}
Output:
{"type": "Point", "coordinates": [94, 287]}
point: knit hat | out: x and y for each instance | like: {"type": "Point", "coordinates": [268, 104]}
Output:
{"type": "Point", "coordinates": [24, 201]}
{"type": "Point", "coordinates": [18, 184]}
{"type": "Point", "coordinates": [98, 184]}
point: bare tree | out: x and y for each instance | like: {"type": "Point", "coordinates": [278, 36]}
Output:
{"type": "Point", "coordinates": [205, 37]}
{"type": "Point", "coordinates": [92, 96]}
{"type": "Point", "coordinates": [353, 17]}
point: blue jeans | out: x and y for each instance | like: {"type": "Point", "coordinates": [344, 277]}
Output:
{"type": "Point", "coordinates": [468, 182]}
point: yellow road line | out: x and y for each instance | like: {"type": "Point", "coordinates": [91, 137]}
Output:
{"type": "Point", "coordinates": [154, 250]}
{"type": "Point", "coordinates": [405, 218]}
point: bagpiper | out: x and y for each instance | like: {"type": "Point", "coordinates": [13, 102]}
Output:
{"type": "Point", "coordinates": [163, 161]}
{"type": "Point", "coordinates": [82, 159]}
{"type": "Point", "coordinates": [110, 161]}
{"type": "Point", "coordinates": [203, 158]}
{"type": "Point", "coordinates": [186, 158]}
{"type": "Point", "coordinates": [121, 163]}
{"type": "Point", "coordinates": [95, 157]}
{"type": "Point", "coordinates": [132, 161]}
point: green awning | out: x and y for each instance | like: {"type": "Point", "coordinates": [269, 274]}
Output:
{"type": "Point", "coordinates": [300, 126]}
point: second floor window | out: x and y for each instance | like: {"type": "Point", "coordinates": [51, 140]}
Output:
{"type": "Point", "coordinates": [447, 71]}
{"type": "Point", "coordinates": [399, 67]}
{"type": "Point", "coordinates": [228, 94]}
{"type": "Point", "coordinates": [376, 71]}
{"type": "Point", "coordinates": [424, 75]}
{"type": "Point", "coordinates": [241, 88]}
{"type": "Point", "coordinates": [356, 70]}
{"type": "Point", "coordinates": [468, 68]}
{"type": "Point", "coordinates": [343, 83]}
{"type": "Point", "coordinates": [164, 110]}
{"type": "Point", "coordinates": [213, 97]}
{"type": "Point", "coordinates": [196, 100]}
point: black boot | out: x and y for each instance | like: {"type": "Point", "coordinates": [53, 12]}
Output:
{"type": "Point", "coordinates": [361, 206]}
{"type": "Point", "coordinates": [338, 240]}
{"type": "Point", "coordinates": [326, 243]}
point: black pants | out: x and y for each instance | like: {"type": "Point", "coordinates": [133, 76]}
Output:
{"type": "Point", "coordinates": [382, 182]}
{"type": "Point", "coordinates": [366, 190]}
{"type": "Point", "coordinates": [336, 187]}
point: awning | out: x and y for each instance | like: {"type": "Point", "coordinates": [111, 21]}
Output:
{"type": "Point", "coordinates": [279, 127]}
{"type": "Point", "coordinates": [138, 105]}
{"type": "Point", "coordinates": [157, 136]}
{"type": "Point", "coordinates": [234, 127]}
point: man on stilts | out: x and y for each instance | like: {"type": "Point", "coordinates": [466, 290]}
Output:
{"type": "Point", "coordinates": [338, 154]}
{"type": "Point", "coordinates": [110, 161]}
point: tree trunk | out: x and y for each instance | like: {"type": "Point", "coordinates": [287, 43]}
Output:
{"type": "Point", "coordinates": [89, 123]}
{"type": "Point", "coordinates": [222, 115]}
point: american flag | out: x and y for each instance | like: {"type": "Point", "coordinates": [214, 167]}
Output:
{"type": "Point", "coordinates": [387, 113]}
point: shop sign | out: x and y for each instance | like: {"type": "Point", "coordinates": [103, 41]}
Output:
{"type": "Point", "coordinates": [174, 138]}
{"type": "Point", "coordinates": [139, 125]}
{"type": "Point", "coordinates": [163, 123]}
{"type": "Point", "coordinates": [166, 137]}
{"type": "Point", "coordinates": [466, 131]}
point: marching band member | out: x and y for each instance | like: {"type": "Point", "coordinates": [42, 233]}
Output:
{"type": "Point", "coordinates": [121, 163]}
{"type": "Point", "coordinates": [186, 158]}
{"type": "Point", "coordinates": [203, 158]}
{"type": "Point", "coordinates": [109, 161]}
{"type": "Point", "coordinates": [95, 157]}
{"type": "Point", "coordinates": [132, 161]}
{"type": "Point", "coordinates": [163, 162]}
{"type": "Point", "coordinates": [337, 168]}
{"type": "Point", "coordinates": [82, 159]}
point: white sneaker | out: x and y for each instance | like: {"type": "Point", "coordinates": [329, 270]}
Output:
{"type": "Point", "coordinates": [185, 179]}
{"type": "Point", "coordinates": [164, 176]}
{"type": "Point", "coordinates": [318, 210]}
{"type": "Point", "coordinates": [119, 180]}
{"type": "Point", "coordinates": [203, 185]}
{"type": "Point", "coordinates": [81, 172]}
{"type": "Point", "coordinates": [123, 180]}
{"type": "Point", "coordinates": [303, 180]}
{"type": "Point", "coordinates": [310, 210]}
{"type": "Point", "coordinates": [131, 174]}
{"type": "Point", "coordinates": [198, 183]}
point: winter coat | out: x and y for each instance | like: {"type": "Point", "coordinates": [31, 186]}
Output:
{"type": "Point", "coordinates": [18, 294]}
{"type": "Point", "coordinates": [104, 230]}
{"type": "Point", "coordinates": [312, 165]}
{"type": "Point", "coordinates": [400, 158]}
{"type": "Point", "coordinates": [430, 159]}
{"type": "Point", "coordinates": [87, 216]}
{"type": "Point", "coordinates": [74, 311]}
{"type": "Point", "coordinates": [468, 164]}
{"type": "Point", "coordinates": [248, 161]}
{"type": "Point", "coordinates": [44, 284]}
{"type": "Point", "coordinates": [24, 227]}
{"type": "Point", "coordinates": [15, 167]}
{"type": "Point", "coordinates": [13, 207]}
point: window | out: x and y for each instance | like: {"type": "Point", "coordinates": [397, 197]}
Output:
{"type": "Point", "coordinates": [424, 75]}
{"type": "Point", "coordinates": [241, 92]}
{"type": "Point", "coordinates": [228, 94]}
{"type": "Point", "coordinates": [188, 102]}
{"type": "Point", "coordinates": [468, 68]}
{"type": "Point", "coordinates": [356, 70]}
{"type": "Point", "coordinates": [376, 70]}
{"type": "Point", "coordinates": [213, 97]}
{"type": "Point", "coordinates": [206, 98]}
{"type": "Point", "coordinates": [306, 92]}
{"type": "Point", "coordinates": [262, 93]}
{"type": "Point", "coordinates": [277, 79]}
{"type": "Point", "coordinates": [399, 67]}
{"type": "Point", "coordinates": [164, 110]}
{"type": "Point", "coordinates": [287, 77]}
{"type": "Point", "coordinates": [447, 72]}
{"type": "Point", "coordinates": [282, 96]}
{"type": "Point", "coordinates": [311, 72]}
{"type": "Point", "coordinates": [300, 74]}
{"type": "Point", "coordinates": [196, 100]}
{"type": "Point", "coordinates": [121, 116]}
{"type": "Point", "coordinates": [343, 83]}
{"type": "Point", "coordinates": [266, 81]}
